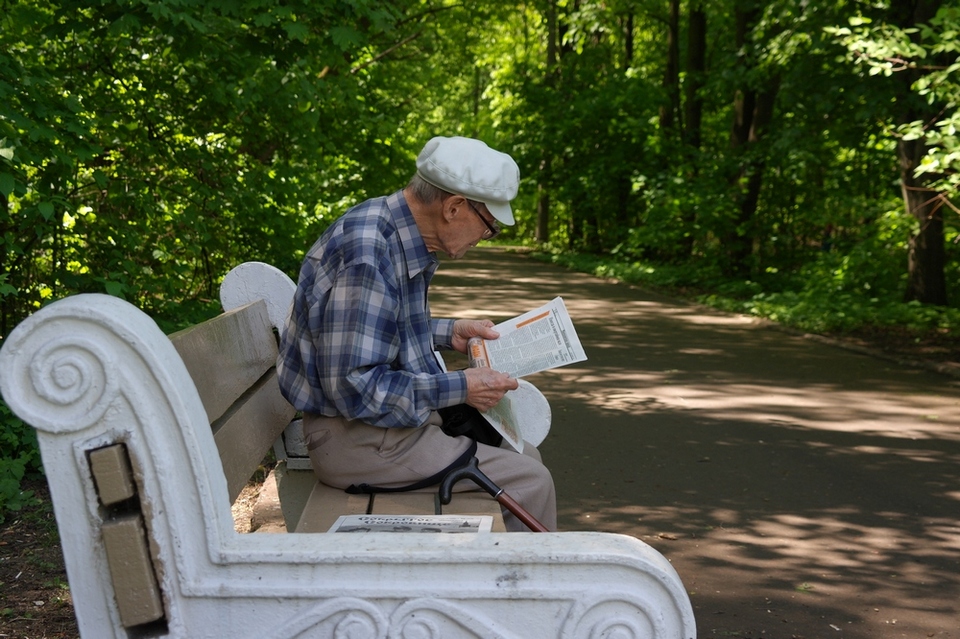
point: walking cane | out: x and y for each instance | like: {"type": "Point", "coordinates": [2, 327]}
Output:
{"type": "Point", "coordinates": [471, 470]}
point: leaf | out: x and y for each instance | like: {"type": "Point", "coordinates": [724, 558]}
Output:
{"type": "Point", "coordinates": [127, 23]}
{"type": "Point", "coordinates": [113, 288]}
{"type": "Point", "coordinates": [100, 178]}
{"type": "Point", "coordinates": [263, 20]}
{"type": "Point", "coordinates": [46, 210]}
{"type": "Point", "coordinates": [6, 184]}
{"type": "Point", "coordinates": [345, 37]}
{"type": "Point", "coordinates": [193, 23]}
{"type": "Point", "coordinates": [296, 31]}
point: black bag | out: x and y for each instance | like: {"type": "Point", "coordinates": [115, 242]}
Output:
{"type": "Point", "coordinates": [463, 419]}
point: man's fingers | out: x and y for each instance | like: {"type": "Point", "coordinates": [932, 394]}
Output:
{"type": "Point", "coordinates": [475, 328]}
{"type": "Point", "coordinates": [486, 387]}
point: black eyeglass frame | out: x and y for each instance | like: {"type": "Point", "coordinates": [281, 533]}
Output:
{"type": "Point", "coordinates": [493, 229]}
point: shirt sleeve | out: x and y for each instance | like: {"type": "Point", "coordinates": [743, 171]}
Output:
{"type": "Point", "coordinates": [443, 333]}
{"type": "Point", "coordinates": [358, 338]}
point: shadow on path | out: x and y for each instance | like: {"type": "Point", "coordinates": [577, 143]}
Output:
{"type": "Point", "coordinates": [800, 489]}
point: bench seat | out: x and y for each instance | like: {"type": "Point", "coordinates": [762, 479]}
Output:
{"type": "Point", "coordinates": [326, 504]}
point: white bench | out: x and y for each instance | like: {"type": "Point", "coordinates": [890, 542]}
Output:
{"type": "Point", "coordinates": [142, 488]}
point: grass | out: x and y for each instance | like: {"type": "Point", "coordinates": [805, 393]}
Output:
{"type": "Point", "coordinates": [821, 298]}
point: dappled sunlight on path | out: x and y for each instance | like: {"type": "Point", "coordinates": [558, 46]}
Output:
{"type": "Point", "coordinates": [799, 488]}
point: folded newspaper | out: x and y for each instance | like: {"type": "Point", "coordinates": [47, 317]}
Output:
{"type": "Point", "coordinates": [536, 341]}
{"type": "Point", "coordinates": [413, 523]}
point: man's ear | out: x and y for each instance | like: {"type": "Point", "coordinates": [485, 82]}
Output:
{"type": "Point", "coordinates": [451, 207]}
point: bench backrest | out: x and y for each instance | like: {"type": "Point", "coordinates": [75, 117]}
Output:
{"type": "Point", "coordinates": [232, 361]}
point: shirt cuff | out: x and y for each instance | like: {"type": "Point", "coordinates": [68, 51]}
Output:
{"type": "Point", "coordinates": [443, 333]}
{"type": "Point", "coordinates": [451, 389]}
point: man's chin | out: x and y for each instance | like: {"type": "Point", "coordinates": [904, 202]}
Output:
{"type": "Point", "coordinates": [459, 254]}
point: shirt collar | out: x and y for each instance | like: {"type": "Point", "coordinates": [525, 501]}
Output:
{"type": "Point", "coordinates": [415, 252]}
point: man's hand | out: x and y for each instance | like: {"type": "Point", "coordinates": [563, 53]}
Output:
{"type": "Point", "coordinates": [486, 387]}
{"type": "Point", "coordinates": [464, 329]}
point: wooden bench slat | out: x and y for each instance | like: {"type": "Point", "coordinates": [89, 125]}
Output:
{"type": "Point", "coordinates": [240, 346]}
{"type": "Point", "coordinates": [476, 504]}
{"type": "Point", "coordinates": [405, 504]}
{"type": "Point", "coordinates": [326, 504]}
{"type": "Point", "coordinates": [245, 434]}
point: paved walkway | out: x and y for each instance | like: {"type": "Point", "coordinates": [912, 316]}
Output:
{"type": "Point", "coordinates": [801, 490]}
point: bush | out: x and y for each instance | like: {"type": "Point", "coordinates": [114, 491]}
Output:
{"type": "Point", "coordinates": [20, 459]}
{"type": "Point", "coordinates": [834, 293]}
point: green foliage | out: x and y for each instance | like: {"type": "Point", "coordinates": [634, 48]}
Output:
{"type": "Point", "coordinates": [158, 144]}
{"type": "Point", "coordinates": [834, 294]}
{"type": "Point", "coordinates": [845, 291]}
{"type": "Point", "coordinates": [21, 458]}
{"type": "Point", "coordinates": [931, 53]}
{"type": "Point", "coordinates": [589, 116]}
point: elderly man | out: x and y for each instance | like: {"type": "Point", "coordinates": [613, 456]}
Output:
{"type": "Point", "coordinates": [357, 354]}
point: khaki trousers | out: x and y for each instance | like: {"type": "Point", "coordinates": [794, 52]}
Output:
{"type": "Point", "coordinates": [345, 452]}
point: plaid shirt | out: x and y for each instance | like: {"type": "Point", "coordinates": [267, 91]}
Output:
{"type": "Point", "coordinates": [359, 341]}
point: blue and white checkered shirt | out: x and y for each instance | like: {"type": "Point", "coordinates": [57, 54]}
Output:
{"type": "Point", "coordinates": [360, 341]}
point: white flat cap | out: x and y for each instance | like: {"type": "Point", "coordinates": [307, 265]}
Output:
{"type": "Point", "coordinates": [469, 167]}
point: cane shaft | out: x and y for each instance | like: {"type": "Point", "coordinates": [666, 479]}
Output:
{"type": "Point", "coordinates": [529, 520]}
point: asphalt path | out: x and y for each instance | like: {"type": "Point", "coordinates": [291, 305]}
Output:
{"type": "Point", "coordinates": [801, 489]}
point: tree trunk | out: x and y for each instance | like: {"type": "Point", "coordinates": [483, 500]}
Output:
{"type": "Point", "coordinates": [696, 60]}
{"type": "Point", "coordinates": [926, 254]}
{"type": "Point", "coordinates": [543, 201]}
{"type": "Point", "coordinates": [753, 112]}
{"type": "Point", "coordinates": [671, 75]}
{"type": "Point", "coordinates": [623, 182]}
{"type": "Point", "coordinates": [696, 69]}
{"type": "Point", "coordinates": [542, 233]}
{"type": "Point", "coordinates": [628, 41]}
{"type": "Point", "coordinates": [744, 98]}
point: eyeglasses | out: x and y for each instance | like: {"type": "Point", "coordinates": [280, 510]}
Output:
{"type": "Point", "coordinates": [493, 229]}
